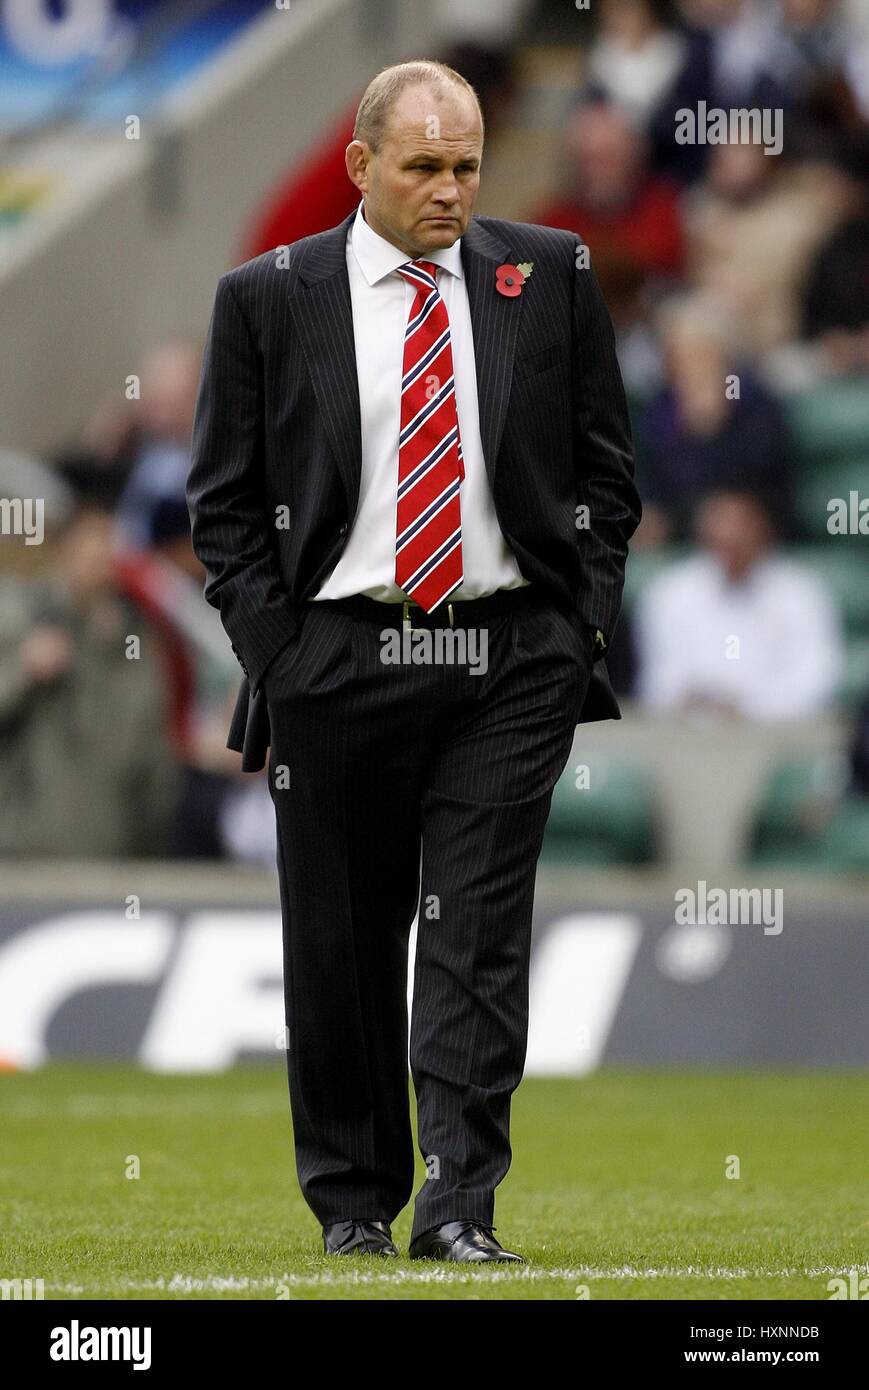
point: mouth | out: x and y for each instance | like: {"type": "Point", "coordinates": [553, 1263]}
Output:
{"type": "Point", "coordinates": [441, 219]}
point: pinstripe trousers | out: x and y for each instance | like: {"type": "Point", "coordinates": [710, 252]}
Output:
{"type": "Point", "coordinates": [397, 787]}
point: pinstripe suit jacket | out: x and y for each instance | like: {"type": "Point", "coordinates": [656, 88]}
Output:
{"type": "Point", "coordinates": [276, 452]}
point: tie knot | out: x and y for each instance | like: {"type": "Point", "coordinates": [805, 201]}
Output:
{"type": "Point", "coordinates": [426, 268]}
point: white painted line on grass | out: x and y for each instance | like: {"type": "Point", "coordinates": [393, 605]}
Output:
{"type": "Point", "coordinates": [186, 1283]}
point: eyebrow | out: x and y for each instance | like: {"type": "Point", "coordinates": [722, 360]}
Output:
{"type": "Point", "coordinates": [428, 158]}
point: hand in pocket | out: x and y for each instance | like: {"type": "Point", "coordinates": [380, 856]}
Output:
{"type": "Point", "coordinates": [278, 663]}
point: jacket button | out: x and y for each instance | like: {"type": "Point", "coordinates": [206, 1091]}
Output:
{"type": "Point", "coordinates": [342, 530]}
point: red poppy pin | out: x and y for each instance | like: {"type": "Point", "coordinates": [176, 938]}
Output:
{"type": "Point", "coordinates": [509, 279]}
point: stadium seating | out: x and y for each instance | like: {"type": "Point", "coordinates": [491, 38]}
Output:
{"type": "Point", "coordinates": [845, 571]}
{"type": "Point", "coordinates": [830, 429]}
{"type": "Point", "coordinates": [602, 814]}
{"type": "Point", "coordinates": [830, 421]}
{"type": "Point", "coordinates": [806, 819]}
{"type": "Point", "coordinates": [817, 484]}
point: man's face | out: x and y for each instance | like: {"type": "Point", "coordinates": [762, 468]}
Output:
{"type": "Point", "coordinates": [420, 186]}
{"type": "Point", "coordinates": [606, 156]}
{"type": "Point", "coordinates": [735, 529]}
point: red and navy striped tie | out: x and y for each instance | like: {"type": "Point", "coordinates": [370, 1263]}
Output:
{"type": "Point", "coordinates": [428, 523]}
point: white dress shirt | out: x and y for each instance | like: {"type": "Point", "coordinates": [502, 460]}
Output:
{"type": "Point", "coordinates": [770, 645]}
{"type": "Point", "coordinates": [382, 300]}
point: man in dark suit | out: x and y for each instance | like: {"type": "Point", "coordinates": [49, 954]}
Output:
{"type": "Point", "coordinates": [412, 489]}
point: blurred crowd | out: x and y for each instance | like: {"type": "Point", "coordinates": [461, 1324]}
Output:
{"type": "Point", "coordinates": [737, 275]}
{"type": "Point", "coordinates": [738, 282]}
{"type": "Point", "coordinates": [116, 678]}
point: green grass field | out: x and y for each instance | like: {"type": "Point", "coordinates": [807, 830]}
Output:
{"type": "Point", "coordinates": [618, 1187]}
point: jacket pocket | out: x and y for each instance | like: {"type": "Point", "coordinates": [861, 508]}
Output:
{"type": "Point", "coordinates": [534, 363]}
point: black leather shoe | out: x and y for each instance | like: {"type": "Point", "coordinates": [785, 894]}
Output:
{"type": "Point", "coordinates": [462, 1240]}
{"type": "Point", "coordinates": [358, 1238]}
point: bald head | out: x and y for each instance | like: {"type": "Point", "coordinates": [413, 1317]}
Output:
{"type": "Point", "coordinates": [384, 90]}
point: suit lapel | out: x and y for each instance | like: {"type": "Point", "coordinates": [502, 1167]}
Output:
{"type": "Point", "coordinates": [495, 323]}
{"type": "Point", "coordinates": [323, 317]}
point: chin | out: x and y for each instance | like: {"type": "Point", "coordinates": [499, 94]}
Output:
{"type": "Point", "coordinates": [445, 235]}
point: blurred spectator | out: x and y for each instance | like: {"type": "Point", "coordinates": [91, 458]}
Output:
{"type": "Point", "coordinates": [807, 58]}
{"type": "Point", "coordinates": [728, 63]}
{"type": "Point", "coordinates": [713, 425]}
{"type": "Point", "coordinates": [836, 303]}
{"type": "Point", "coordinates": [737, 629]}
{"type": "Point", "coordinates": [637, 55]}
{"type": "Point", "coordinates": [165, 581]}
{"type": "Point", "coordinates": [752, 231]}
{"type": "Point", "coordinates": [744, 66]}
{"type": "Point", "coordinates": [811, 41]}
{"type": "Point", "coordinates": [157, 581]}
{"type": "Point", "coordinates": [754, 49]}
{"type": "Point", "coordinates": [85, 763]}
{"type": "Point", "coordinates": [644, 60]}
{"type": "Point", "coordinates": [625, 214]}
{"type": "Point", "coordinates": [629, 297]}
{"type": "Point", "coordinates": [111, 438]}
{"type": "Point", "coordinates": [170, 382]}
{"type": "Point", "coordinates": [834, 295]}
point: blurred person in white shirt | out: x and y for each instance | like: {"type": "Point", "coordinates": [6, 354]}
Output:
{"type": "Point", "coordinates": [739, 629]}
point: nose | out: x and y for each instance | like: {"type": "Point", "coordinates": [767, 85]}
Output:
{"type": "Point", "coordinates": [447, 197]}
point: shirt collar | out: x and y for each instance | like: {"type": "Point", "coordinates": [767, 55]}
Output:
{"type": "Point", "coordinates": [377, 257]}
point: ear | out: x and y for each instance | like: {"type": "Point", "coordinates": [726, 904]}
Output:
{"type": "Point", "coordinates": [356, 157]}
